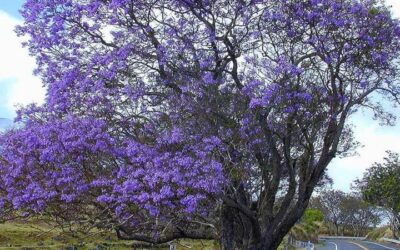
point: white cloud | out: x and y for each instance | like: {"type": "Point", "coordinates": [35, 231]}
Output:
{"type": "Point", "coordinates": [376, 140]}
{"type": "Point", "coordinates": [17, 66]}
{"type": "Point", "coordinates": [395, 7]}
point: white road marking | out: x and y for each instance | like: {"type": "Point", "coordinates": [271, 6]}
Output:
{"type": "Point", "coordinates": [360, 246]}
{"type": "Point", "coordinates": [334, 244]}
{"type": "Point", "coordinates": [381, 245]}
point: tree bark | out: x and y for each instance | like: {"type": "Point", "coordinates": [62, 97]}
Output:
{"type": "Point", "coordinates": [227, 228]}
{"type": "Point", "coordinates": [239, 235]}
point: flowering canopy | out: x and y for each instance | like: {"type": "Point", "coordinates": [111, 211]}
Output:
{"type": "Point", "coordinates": [166, 110]}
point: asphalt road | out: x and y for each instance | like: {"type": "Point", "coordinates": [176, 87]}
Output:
{"type": "Point", "coordinates": [333, 244]}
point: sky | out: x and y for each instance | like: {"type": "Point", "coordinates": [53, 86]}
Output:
{"type": "Point", "coordinates": [18, 86]}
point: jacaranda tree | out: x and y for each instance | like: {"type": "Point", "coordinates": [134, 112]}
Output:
{"type": "Point", "coordinates": [210, 119]}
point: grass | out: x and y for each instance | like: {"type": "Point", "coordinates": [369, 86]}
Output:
{"type": "Point", "coordinates": [32, 235]}
{"type": "Point", "coordinates": [36, 235]}
{"type": "Point", "coordinates": [381, 232]}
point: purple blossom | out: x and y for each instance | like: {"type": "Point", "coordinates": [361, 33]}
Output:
{"type": "Point", "coordinates": [208, 78]}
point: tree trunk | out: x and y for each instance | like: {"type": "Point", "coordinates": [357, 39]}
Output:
{"type": "Point", "coordinates": [273, 233]}
{"type": "Point", "coordinates": [273, 242]}
{"type": "Point", "coordinates": [269, 243]}
{"type": "Point", "coordinates": [227, 228]}
{"type": "Point", "coordinates": [230, 233]}
{"type": "Point", "coordinates": [263, 227]}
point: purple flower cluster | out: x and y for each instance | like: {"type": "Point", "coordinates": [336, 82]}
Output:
{"type": "Point", "coordinates": [73, 159]}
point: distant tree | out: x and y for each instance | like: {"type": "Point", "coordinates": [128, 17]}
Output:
{"type": "Point", "coordinates": [347, 211]}
{"type": "Point", "coordinates": [359, 216]}
{"type": "Point", "coordinates": [330, 202]}
{"type": "Point", "coordinates": [380, 185]}
{"type": "Point", "coordinates": [215, 119]}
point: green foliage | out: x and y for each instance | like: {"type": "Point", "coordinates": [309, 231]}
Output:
{"type": "Point", "coordinates": [312, 215]}
{"type": "Point", "coordinates": [373, 11]}
{"type": "Point", "coordinates": [381, 183]}
{"type": "Point", "coordinates": [309, 225]}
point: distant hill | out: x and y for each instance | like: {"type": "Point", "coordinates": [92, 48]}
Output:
{"type": "Point", "coordinates": [5, 123]}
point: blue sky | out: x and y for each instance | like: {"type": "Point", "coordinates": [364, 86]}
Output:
{"type": "Point", "coordinates": [11, 6]}
{"type": "Point", "coordinates": [5, 111]}
{"type": "Point", "coordinates": [19, 86]}
{"type": "Point", "coordinates": [17, 83]}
